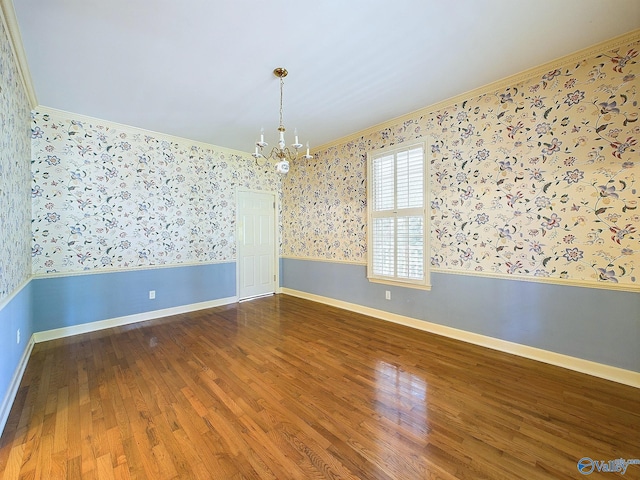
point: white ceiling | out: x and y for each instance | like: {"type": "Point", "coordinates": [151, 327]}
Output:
{"type": "Point", "coordinates": [203, 69]}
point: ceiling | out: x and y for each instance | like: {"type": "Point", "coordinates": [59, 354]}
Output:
{"type": "Point", "coordinates": [202, 70]}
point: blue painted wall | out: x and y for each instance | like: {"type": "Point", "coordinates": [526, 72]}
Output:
{"type": "Point", "coordinates": [73, 300]}
{"type": "Point", "coordinates": [598, 325]}
{"type": "Point", "coordinates": [593, 324]}
{"type": "Point", "coordinates": [49, 303]}
{"type": "Point", "coordinates": [16, 314]}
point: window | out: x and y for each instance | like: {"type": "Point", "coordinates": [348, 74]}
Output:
{"type": "Point", "coordinates": [397, 243]}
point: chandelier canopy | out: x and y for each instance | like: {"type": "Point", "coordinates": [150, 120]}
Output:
{"type": "Point", "coordinates": [281, 154]}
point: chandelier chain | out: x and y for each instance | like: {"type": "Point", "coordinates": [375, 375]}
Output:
{"type": "Point", "coordinates": [281, 109]}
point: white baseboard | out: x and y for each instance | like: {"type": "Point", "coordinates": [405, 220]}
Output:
{"type": "Point", "coordinates": [126, 320]}
{"type": "Point", "coordinates": [7, 402]}
{"type": "Point", "coordinates": [38, 337]}
{"type": "Point", "coordinates": [619, 375]}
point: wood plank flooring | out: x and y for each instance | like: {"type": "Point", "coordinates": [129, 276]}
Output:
{"type": "Point", "coordinates": [283, 388]}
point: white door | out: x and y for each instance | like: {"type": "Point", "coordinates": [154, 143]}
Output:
{"type": "Point", "coordinates": [256, 244]}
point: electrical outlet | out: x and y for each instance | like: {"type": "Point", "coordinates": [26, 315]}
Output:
{"type": "Point", "coordinates": [387, 294]}
{"type": "Point", "coordinates": [18, 336]}
{"type": "Point", "coordinates": [152, 294]}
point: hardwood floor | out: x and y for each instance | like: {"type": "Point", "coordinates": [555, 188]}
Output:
{"type": "Point", "coordinates": [281, 388]}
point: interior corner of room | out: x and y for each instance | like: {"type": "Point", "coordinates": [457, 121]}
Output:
{"type": "Point", "coordinates": [532, 227]}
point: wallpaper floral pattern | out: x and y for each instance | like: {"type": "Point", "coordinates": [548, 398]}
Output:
{"type": "Point", "coordinates": [112, 197]}
{"type": "Point", "coordinates": [537, 180]}
{"type": "Point", "coordinates": [15, 151]}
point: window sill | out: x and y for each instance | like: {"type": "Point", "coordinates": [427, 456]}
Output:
{"type": "Point", "coordinates": [384, 281]}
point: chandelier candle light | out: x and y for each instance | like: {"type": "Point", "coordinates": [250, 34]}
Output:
{"type": "Point", "coordinates": [282, 154]}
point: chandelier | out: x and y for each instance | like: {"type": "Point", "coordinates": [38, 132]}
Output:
{"type": "Point", "coordinates": [281, 154]}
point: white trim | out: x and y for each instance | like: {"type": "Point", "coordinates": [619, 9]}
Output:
{"type": "Point", "coordinates": [10, 22]}
{"type": "Point", "coordinates": [96, 271]}
{"type": "Point", "coordinates": [126, 320]}
{"type": "Point", "coordinates": [276, 239]}
{"type": "Point", "coordinates": [416, 286]}
{"type": "Point", "coordinates": [7, 402]}
{"type": "Point", "coordinates": [255, 297]}
{"type": "Point", "coordinates": [327, 260]}
{"type": "Point", "coordinates": [397, 212]}
{"type": "Point", "coordinates": [6, 300]}
{"type": "Point", "coordinates": [549, 280]}
{"type": "Point", "coordinates": [615, 374]}
{"type": "Point", "coordinates": [159, 135]}
{"type": "Point", "coordinates": [498, 85]}
{"type": "Point", "coordinates": [499, 276]}
{"type": "Point", "coordinates": [12, 391]}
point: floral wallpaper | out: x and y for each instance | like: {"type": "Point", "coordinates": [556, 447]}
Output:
{"type": "Point", "coordinates": [15, 151]}
{"type": "Point", "coordinates": [107, 196]}
{"type": "Point", "coordinates": [540, 179]}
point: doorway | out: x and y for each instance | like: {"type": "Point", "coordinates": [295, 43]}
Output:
{"type": "Point", "coordinates": [256, 244]}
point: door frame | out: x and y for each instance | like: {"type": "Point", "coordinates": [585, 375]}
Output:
{"type": "Point", "coordinates": [276, 237]}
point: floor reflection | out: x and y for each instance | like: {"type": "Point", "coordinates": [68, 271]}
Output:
{"type": "Point", "coordinates": [401, 397]}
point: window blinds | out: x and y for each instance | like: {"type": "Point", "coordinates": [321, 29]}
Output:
{"type": "Point", "coordinates": [398, 215]}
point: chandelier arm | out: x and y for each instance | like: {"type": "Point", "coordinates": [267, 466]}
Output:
{"type": "Point", "coordinates": [281, 154]}
{"type": "Point", "coordinates": [284, 154]}
{"type": "Point", "coordinates": [274, 154]}
{"type": "Point", "coordinates": [291, 155]}
{"type": "Point", "coordinates": [266, 160]}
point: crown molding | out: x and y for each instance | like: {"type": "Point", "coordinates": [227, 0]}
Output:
{"type": "Point", "coordinates": [10, 23]}
{"type": "Point", "coordinates": [493, 87]}
{"type": "Point", "coordinates": [63, 114]}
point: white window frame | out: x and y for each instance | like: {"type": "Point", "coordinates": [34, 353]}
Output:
{"type": "Point", "coordinates": [396, 213]}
